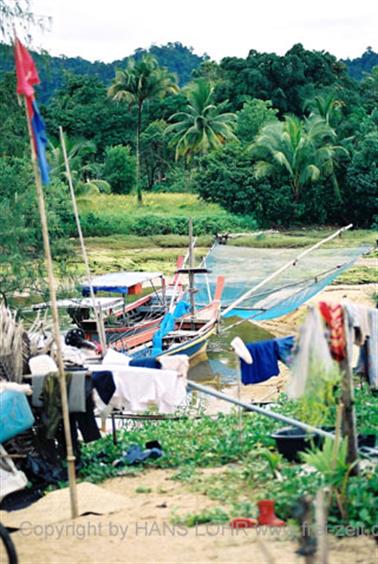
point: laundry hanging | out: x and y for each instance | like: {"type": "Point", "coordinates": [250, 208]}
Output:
{"type": "Point", "coordinates": [265, 356]}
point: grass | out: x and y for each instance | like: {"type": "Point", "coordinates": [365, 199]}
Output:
{"type": "Point", "coordinates": [187, 205]}
{"type": "Point", "coordinates": [359, 275]}
{"type": "Point", "coordinates": [160, 252]}
{"type": "Point", "coordinates": [234, 463]}
{"type": "Point", "coordinates": [307, 236]}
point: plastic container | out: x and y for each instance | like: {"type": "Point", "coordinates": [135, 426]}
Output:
{"type": "Point", "coordinates": [290, 441]}
{"type": "Point", "coordinates": [15, 414]}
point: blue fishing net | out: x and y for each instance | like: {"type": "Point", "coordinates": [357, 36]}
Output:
{"type": "Point", "coordinates": [244, 268]}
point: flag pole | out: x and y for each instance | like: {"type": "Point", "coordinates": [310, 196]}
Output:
{"type": "Point", "coordinates": [55, 318]}
{"type": "Point", "coordinates": [99, 322]}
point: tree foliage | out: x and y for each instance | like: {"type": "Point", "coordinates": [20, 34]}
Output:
{"type": "Point", "coordinates": [305, 149]}
{"type": "Point", "coordinates": [119, 169]}
{"type": "Point", "coordinates": [203, 126]}
{"type": "Point", "coordinates": [139, 83]}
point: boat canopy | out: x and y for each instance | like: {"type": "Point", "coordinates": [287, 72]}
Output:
{"type": "Point", "coordinates": [119, 282]}
{"type": "Point", "coordinates": [105, 304]}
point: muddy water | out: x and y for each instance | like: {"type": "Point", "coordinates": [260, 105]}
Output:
{"type": "Point", "coordinates": [219, 367]}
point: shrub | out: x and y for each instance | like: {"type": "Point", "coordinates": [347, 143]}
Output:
{"type": "Point", "coordinates": [119, 169]}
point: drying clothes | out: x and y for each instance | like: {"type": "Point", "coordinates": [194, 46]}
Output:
{"type": "Point", "coordinates": [76, 392]}
{"type": "Point", "coordinates": [37, 388]}
{"type": "Point", "coordinates": [145, 362]}
{"type": "Point", "coordinates": [103, 383]}
{"type": "Point", "coordinates": [115, 357]}
{"type": "Point", "coordinates": [334, 318]}
{"type": "Point", "coordinates": [368, 360]}
{"type": "Point", "coordinates": [75, 389]}
{"type": "Point", "coordinates": [357, 323]}
{"type": "Point", "coordinates": [265, 356]}
{"type": "Point", "coordinates": [177, 362]}
{"type": "Point", "coordinates": [52, 407]}
{"type": "Point", "coordinates": [52, 403]}
{"type": "Point", "coordinates": [170, 390]}
{"type": "Point", "coordinates": [285, 349]}
{"type": "Point", "coordinates": [137, 387]}
{"type": "Point", "coordinates": [310, 352]}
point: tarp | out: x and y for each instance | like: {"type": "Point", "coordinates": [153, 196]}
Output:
{"type": "Point", "coordinates": [83, 303]}
{"type": "Point", "coordinates": [118, 282]}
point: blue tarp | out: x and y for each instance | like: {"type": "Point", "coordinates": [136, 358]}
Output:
{"type": "Point", "coordinates": [167, 325]}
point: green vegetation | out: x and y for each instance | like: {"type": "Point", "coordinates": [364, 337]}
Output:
{"type": "Point", "coordinates": [141, 82]}
{"type": "Point", "coordinates": [248, 467]}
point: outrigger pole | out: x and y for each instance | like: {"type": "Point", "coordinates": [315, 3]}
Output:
{"type": "Point", "coordinates": [99, 321]}
{"type": "Point", "coordinates": [289, 264]}
{"type": "Point", "coordinates": [55, 319]}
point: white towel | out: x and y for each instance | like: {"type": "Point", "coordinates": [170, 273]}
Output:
{"type": "Point", "coordinates": [137, 387]}
{"type": "Point", "coordinates": [177, 362]}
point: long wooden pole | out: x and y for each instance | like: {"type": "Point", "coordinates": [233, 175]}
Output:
{"type": "Point", "coordinates": [292, 262]}
{"type": "Point", "coordinates": [348, 420]}
{"type": "Point", "coordinates": [191, 266]}
{"type": "Point", "coordinates": [100, 325]}
{"type": "Point", "coordinates": [55, 319]}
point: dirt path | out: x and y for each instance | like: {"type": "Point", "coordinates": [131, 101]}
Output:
{"type": "Point", "coordinates": [143, 533]}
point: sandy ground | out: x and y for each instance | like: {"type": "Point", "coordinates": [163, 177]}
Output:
{"type": "Point", "coordinates": [142, 532]}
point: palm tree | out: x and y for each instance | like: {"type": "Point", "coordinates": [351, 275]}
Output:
{"type": "Point", "coordinates": [203, 126]}
{"type": "Point", "coordinates": [304, 148]}
{"type": "Point", "coordinates": [141, 81]}
{"type": "Point", "coordinates": [325, 106]}
{"type": "Point", "coordinates": [75, 154]}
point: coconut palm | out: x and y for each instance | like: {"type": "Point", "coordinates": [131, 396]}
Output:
{"type": "Point", "coordinates": [75, 153]}
{"type": "Point", "coordinates": [325, 106]}
{"type": "Point", "coordinates": [203, 126]}
{"type": "Point", "coordinates": [304, 148]}
{"type": "Point", "coordinates": [140, 82]}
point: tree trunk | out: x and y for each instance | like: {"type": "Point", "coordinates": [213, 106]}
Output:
{"type": "Point", "coordinates": [139, 125]}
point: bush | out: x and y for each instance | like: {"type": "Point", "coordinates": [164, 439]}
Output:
{"type": "Point", "coordinates": [94, 224]}
{"type": "Point", "coordinates": [119, 169]}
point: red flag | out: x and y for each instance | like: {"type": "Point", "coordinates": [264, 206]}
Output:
{"type": "Point", "coordinates": [26, 72]}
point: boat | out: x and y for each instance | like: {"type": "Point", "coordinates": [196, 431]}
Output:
{"type": "Point", "coordinates": [121, 317]}
{"type": "Point", "coordinates": [189, 335]}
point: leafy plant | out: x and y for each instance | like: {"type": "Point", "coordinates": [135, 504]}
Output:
{"type": "Point", "coordinates": [331, 463]}
{"type": "Point", "coordinates": [214, 515]}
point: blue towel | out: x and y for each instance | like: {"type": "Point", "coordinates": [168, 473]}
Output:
{"type": "Point", "coordinates": [265, 355]}
{"type": "Point", "coordinates": [265, 362]}
{"type": "Point", "coordinates": [103, 383]}
{"type": "Point", "coordinates": [285, 347]}
{"type": "Point", "coordinates": [145, 362]}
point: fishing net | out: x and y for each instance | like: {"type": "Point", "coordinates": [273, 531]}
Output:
{"type": "Point", "coordinates": [244, 268]}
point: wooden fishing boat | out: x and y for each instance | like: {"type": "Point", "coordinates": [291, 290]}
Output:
{"type": "Point", "coordinates": [121, 316]}
{"type": "Point", "coordinates": [189, 336]}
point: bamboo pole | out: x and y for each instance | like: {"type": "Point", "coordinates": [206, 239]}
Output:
{"type": "Point", "coordinates": [55, 324]}
{"type": "Point", "coordinates": [191, 265]}
{"type": "Point", "coordinates": [348, 421]}
{"type": "Point", "coordinates": [292, 262]}
{"type": "Point", "coordinates": [100, 326]}
{"type": "Point", "coordinates": [321, 518]}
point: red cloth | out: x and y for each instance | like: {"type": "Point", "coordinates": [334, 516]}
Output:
{"type": "Point", "coordinates": [26, 72]}
{"type": "Point", "coordinates": [334, 318]}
